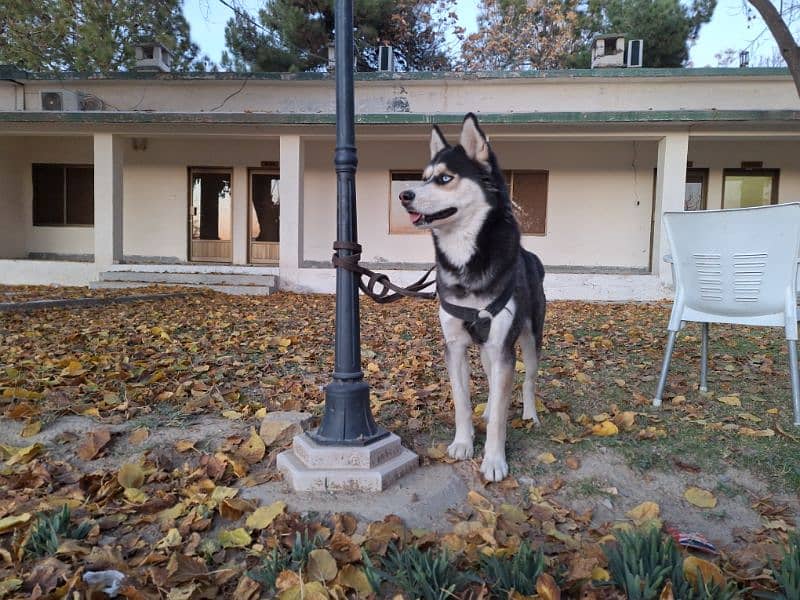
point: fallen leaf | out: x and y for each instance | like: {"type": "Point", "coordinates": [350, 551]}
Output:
{"type": "Point", "coordinates": [95, 442]}
{"type": "Point", "coordinates": [709, 571]}
{"type": "Point", "coordinates": [700, 497]}
{"type": "Point", "coordinates": [605, 429]}
{"type": "Point", "coordinates": [730, 400]}
{"type": "Point", "coordinates": [546, 458]}
{"type": "Point", "coordinates": [138, 435]}
{"type": "Point", "coordinates": [73, 369]}
{"type": "Point", "coordinates": [321, 565]}
{"type": "Point", "coordinates": [130, 475]}
{"type": "Point", "coordinates": [264, 515]}
{"type": "Point", "coordinates": [184, 445]}
{"type": "Point", "coordinates": [666, 593]}
{"type": "Point", "coordinates": [644, 512]}
{"type": "Point", "coordinates": [9, 585]}
{"type": "Point", "coordinates": [253, 449]}
{"type": "Point", "coordinates": [234, 538]}
{"type": "Point", "coordinates": [354, 578]}
{"type": "Point", "coordinates": [22, 455]}
{"type": "Point", "coordinates": [31, 428]}
{"type": "Point", "coordinates": [546, 587]}
{"type": "Point", "coordinates": [8, 523]}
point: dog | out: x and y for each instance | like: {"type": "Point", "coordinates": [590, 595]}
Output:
{"type": "Point", "coordinates": [490, 289]}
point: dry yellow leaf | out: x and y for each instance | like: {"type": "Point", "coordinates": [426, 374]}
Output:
{"type": "Point", "coordinates": [625, 419]}
{"type": "Point", "coordinates": [235, 538]}
{"type": "Point", "coordinates": [756, 432]}
{"type": "Point", "coordinates": [9, 585]}
{"type": "Point", "coordinates": [264, 515]}
{"type": "Point", "coordinates": [31, 428]}
{"type": "Point", "coordinates": [7, 523]}
{"type": "Point", "coordinates": [581, 377]}
{"type": "Point", "coordinates": [678, 399]}
{"type": "Point", "coordinates": [130, 476]}
{"type": "Point", "coordinates": [135, 495]}
{"type": "Point", "coordinates": [321, 565]}
{"type": "Point", "coordinates": [519, 366]}
{"type": "Point", "coordinates": [233, 415]}
{"type": "Point", "coordinates": [646, 511]}
{"type": "Point", "coordinates": [546, 458]}
{"type": "Point", "coordinates": [605, 429]}
{"type": "Point", "coordinates": [546, 587]}
{"type": "Point", "coordinates": [437, 452]}
{"type": "Point", "coordinates": [666, 593]}
{"type": "Point", "coordinates": [730, 400]}
{"type": "Point", "coordinates": [23, 455]}
{"type": "Point", "coordinates": [354, 578]}
{"type": "Point", "coordinates": [253, 449]}
{"type": "Point", "coordinates": [708, 571]}
{"type": "Point", "coordinates": [479, 409]}
{"type": "Point", "coordinates": [184, 445]}
{"type": "Point", "coordinates": [313, 590]}
{"type": "Point", "coordinates": [569, 338]}
{"type": "Point", "coordinates": [373, 367]}
{"type": "Point", "coordinates": [261, 413]}
{"type": "Point", "coordinates": [749, 417]}
{"type": "Point", "coordinates": [700, 497]}
{"type": "Point", "coordinates": [772, 411]}
{"type": "Point", "coordinates": [139, 435]}
{"type": "Point", "coordinates": [73, 369]}
{"type": "Point", "coordinates": [600, 574]}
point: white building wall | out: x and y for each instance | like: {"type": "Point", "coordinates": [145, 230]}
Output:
{"type": "Point", "coordinates": [598, 209]}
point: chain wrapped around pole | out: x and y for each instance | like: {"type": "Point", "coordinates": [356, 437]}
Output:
{"type": "Point", "coordinates": [388, 292]}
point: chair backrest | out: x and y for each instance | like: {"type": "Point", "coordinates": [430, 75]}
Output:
{"type": "Point", "coordinates": [735, 262]}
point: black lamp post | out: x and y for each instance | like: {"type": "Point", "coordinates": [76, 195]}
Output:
{"type": "Point", "coordinates": [348, 420]}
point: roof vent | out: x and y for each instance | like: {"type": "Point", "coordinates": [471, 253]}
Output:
{"type": "Point", "coordinates": [608, 51]}
{"type": "Point", "coordinates": [385, 58]}
{"type": "Point", "coordinates": [152, 56]}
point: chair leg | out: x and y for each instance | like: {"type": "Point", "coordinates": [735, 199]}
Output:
{"type": "Point", "coordinates": [704, 359]}
{"type": "Point", "coordinates": [662, 381]}
{"type": "Point", "coordinates": [795, 375]}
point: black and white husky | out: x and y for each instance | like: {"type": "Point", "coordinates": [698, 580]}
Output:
{"type": "Point", "coordinates": [489, 287]}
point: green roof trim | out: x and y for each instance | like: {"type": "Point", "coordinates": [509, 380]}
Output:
{"type": "Point", "coordinates": [254, 118]}
{"type": "Point", "coordinates": [10, 72]}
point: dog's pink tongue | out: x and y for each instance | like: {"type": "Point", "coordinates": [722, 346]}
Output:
{"type": "Point", "coordinates": [414, 216]}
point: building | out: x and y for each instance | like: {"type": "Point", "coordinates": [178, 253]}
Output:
{"type": "Point", "coordinates": [106, 177]}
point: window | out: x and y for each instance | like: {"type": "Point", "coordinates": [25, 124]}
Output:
{"type": "Point", "coordinates": [528, 190]}
{"type": "Point", "coordinates": [398, 217]}
{"type": "Point", "coordinates": [63, 195]}
{"type": "Point", "coordinates": [696, 189]}
{"type": "Point", "coordinates": [742, 188]}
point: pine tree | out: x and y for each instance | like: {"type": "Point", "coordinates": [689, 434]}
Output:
{"type": "Point", "coordinates": [92, 36]}
{"type": "Point", "coordinates": [293, 35]}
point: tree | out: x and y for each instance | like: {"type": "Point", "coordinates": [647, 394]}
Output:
{"type": "Point", "coordinates": [92, 36]}
{"type": "Point", "coordinates": [779, 26]}
{"type": "Point", "coordinates": [521, 34]}
{"type": "Point", "coordinates": [293, 35]}
{"type": "Point", "coordinates": [668, 27]}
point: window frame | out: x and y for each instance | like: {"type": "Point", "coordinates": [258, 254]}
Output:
{"type": "Point", "coordinates": [774, 173]}
{"type": "Point", "coordinates": [509, 177]}
{"type": "Point", "coordinates": [64, 168]}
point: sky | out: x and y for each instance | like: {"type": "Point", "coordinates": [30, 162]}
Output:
{"type": "Point", "coordinates": [729, 28]}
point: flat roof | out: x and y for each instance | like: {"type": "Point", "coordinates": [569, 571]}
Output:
{"type": "Point", "coordinates": [12, 73]}
{"type": "Point", "coordinates": [256, 118]}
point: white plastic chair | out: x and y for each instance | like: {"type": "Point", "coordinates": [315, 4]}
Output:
{"type": "Point", "coordinates": [734, 266]}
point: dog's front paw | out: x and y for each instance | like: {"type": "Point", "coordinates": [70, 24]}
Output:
{"type": "Point", "coordinates": [460, 450]}
{"type": "Point", "coordinates": [529, 414]}
{"type": "Point", "coordinates": [494, 467]}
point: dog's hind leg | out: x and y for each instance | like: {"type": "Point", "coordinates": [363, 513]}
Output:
{"type": "Point", "coordinates": [458, 368]}
{"type": "Point", "coordinates": [530, 356]}
{"type": "Point", "coordinates": [501, 360]}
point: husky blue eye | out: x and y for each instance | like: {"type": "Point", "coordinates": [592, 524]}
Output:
{"type": "Point", "coordinates": [445, 178]}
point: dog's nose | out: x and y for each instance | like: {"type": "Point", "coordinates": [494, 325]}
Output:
{"type": "Point", "coordinates": [406, 197]}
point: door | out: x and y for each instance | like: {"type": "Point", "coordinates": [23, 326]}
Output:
{"type": "Point", "coordinates": [210, 215]}
{"type": "Point", "coordinates": [264, 214]}
{"type": "Point", "coordinates": [696, 189]}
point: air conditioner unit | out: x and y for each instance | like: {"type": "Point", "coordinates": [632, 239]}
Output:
{"type": "Point", "coordinates": [385, 58]}
{"type": "Point", "coordinates": [635, 53]}
{"type": "Point", "coordinates": [60, 101]}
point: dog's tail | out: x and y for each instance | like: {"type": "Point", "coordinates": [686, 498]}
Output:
{"type": "Point", "coordinates": [534, 263]}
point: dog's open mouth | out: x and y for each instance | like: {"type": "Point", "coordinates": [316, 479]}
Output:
{"type": "Point", "coordinates": [420, 219]}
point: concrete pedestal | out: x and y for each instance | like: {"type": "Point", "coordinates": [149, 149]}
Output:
{"type": "Point", "coordinates": [312, 467]}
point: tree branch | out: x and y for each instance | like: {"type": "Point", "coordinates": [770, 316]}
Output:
{"type": "Point", "coordinates": [783, 36]}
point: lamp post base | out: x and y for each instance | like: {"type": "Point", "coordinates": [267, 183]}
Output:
{"type": "Point", "coordinates": [348, 419]}
{"type": "Point", "coordinates": [313, 467]}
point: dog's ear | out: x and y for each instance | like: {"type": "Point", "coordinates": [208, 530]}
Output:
{"type": "Point", "coordinates": [474, 141]}
{"type": "Point", "coordinates": [438, 143]}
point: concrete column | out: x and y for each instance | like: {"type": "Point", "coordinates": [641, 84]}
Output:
{"type": "Point", "coordinates": [291, 190]}
{"type": "Point", "coordinates": [108, 159]}
{"type": "Point", "coordinates": [673, 150]}
{"type": "Point", "coordinates": [240, 233]}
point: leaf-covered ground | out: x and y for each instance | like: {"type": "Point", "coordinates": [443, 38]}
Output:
{"type": "Point", "coordinates": [142, 419]}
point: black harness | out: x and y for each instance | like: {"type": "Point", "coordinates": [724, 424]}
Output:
{"type": "Point", "coordinates": [476, 325]}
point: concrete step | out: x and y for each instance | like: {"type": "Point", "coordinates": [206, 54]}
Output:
{"type": "Point", "coordinates": [237, 279]}
{"type": "Point", "coordinates": [234, 290]}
